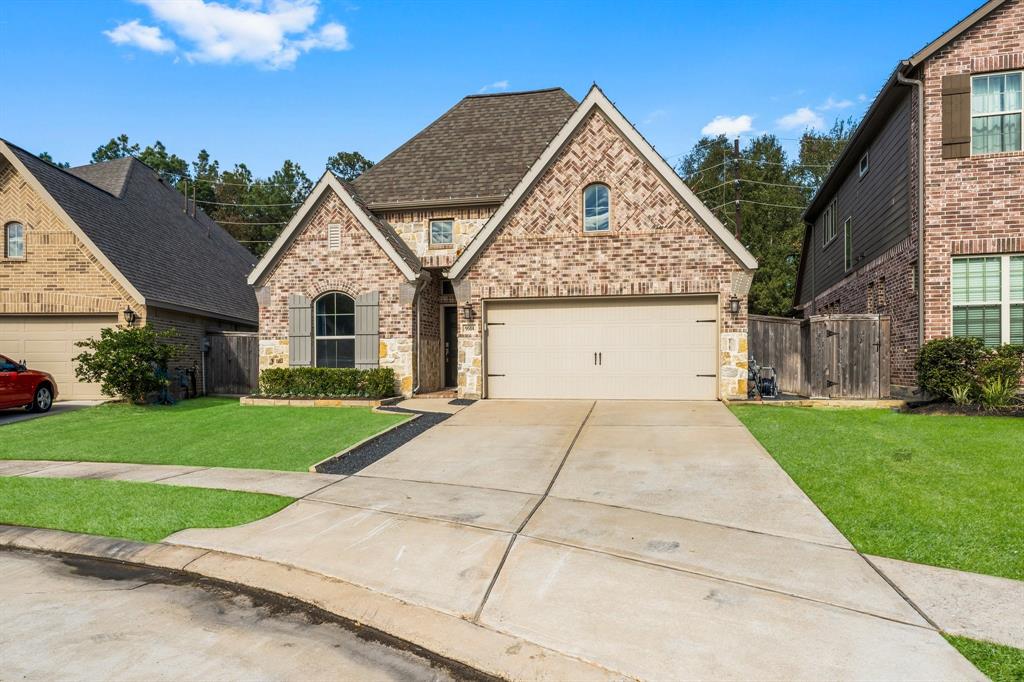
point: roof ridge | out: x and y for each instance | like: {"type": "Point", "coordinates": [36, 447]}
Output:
{"type": "Point", "coordinates": [515, 92]}
{"type": "Point", "coordinates": [65, 171]}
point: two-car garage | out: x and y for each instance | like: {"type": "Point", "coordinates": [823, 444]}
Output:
{"type": "Point", "coordinates": [610, 348]}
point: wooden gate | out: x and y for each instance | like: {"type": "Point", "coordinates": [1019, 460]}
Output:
{"type": "Point", "coordinates": [232, 363]}
{"type": "Point", "coordinates": [828, 356]}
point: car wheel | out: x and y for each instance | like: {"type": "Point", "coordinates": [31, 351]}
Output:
{"type": "Point", "coordinates": [42, 401]}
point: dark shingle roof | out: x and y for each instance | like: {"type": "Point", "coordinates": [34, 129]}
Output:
{"type": "Point", "coordinates": [109, 176]}
{"type": "Point", "coordinates": [138, 222]}
{"type": "Point", "coordinates": [480, 148]}
{"type": "Point", "coordinates": [385, 228]}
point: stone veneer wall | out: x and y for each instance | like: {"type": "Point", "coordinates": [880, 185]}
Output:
{"type": "Point", "coordinates": [656, 246]}
{"type": "Point", "coordinates": [973, 205]}
{"type": "Point", "coordinates": [413, 226]}
{"type": "Point", "coordinates": [359, 266]}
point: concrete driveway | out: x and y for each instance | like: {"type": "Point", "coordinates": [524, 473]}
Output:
{"type": "Point", "coordinates": [655, 539]}
{"type": "Point", "coordinates": [20, 414]}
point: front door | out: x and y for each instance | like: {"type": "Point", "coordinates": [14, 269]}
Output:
{"type": "Point", "coordinates": [451, 346]}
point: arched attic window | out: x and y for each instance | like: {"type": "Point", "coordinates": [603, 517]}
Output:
{"type": "Point", "coordinates": [596, 208]}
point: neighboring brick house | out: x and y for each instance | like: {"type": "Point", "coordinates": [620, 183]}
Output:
{"type": "Point", "coordinates": [862, 249]}
{"type": "Point", "coordinates": [89, 247]}
{"type": "Point", "coordinates": [523, 245]}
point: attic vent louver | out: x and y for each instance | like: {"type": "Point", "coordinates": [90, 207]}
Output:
{"type": "Point", "coordinates": [334, 236]}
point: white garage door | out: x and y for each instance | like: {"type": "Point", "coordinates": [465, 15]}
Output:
{"type": "Point", "coordinates": [654, 348]}
{"type": "Point", "coordinates": [47, 343]}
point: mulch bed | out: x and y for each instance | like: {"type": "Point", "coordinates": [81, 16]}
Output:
{"type": "Point", "coordinates": [965, 410]}
{"type": "Point", "coordinates": [366, 454]}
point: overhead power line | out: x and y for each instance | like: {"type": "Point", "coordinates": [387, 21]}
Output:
{"type": "Point", "coordinates": [221, 203]}
{"type": "Point", "coordinates": [759, 203]}
{"type": "Point", "coordinates": [228, 222]}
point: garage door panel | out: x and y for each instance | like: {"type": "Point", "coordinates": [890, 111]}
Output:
{"type": "Point", "coordinates": [649, 348]}
{"type": "Point", "coordinates": [48, 344]}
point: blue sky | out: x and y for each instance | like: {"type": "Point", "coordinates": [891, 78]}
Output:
{"type": "Point", "coordinates": [260, 81]}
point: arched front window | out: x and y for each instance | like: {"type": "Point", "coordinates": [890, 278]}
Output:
{"type": "Point", "coordinates": [14, 240]}
{"type": "Point", "coordinates": [334, 338]}
{"type": "Point", "coordinates": [596, 209]}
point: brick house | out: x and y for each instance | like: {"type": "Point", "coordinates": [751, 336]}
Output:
{"type": "Point", "coordinates": [939, 146]}
{"type": "Point", "coordinates": [103, 245]}
{"type": "Point", "coordinates": [523, 245]}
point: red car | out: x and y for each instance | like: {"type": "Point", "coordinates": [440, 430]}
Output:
{"type": "Point", "coordinates": [24, 387]}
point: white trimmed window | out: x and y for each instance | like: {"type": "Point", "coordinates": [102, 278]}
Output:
{"type": "Point", "coordinates": [848, 243]}
{"type": "Point", "coordinates": [14, 240]}
{"type": "Point", "coordinates": [441, 232]}
{"type": "Point", "coordinates": [596, 208]}
{"type": "Point", "coordinates": [828, 223]}
{"type": "Point", "coordinates": [334, 340]}
{"type": "Point", "coordinates": [865, 165]}
{"type": "Point", "coordinates": [996, 110]}
{"type": "Point", "coordinates": [988, 299]}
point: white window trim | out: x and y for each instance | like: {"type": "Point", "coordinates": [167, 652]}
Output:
{"type": "Point", "coordinates": [316, 337]}
{"type": "Point", "coordinates": [7, 241]}
{"type": "Point", "coordinates": [1004, 303]}
{"type": "Point", "coordinates": [830, 212]}
{"type": "Point", "coordinates": [430, 231]}
{"type": "Point", "coordinates": [583, 207]}
{"type": "Point", "coordinates": [848, 243]}
{"type": "Point", "coordinates": [1001, 113]}
{"type": "Point", "coordinates": [864, 165]}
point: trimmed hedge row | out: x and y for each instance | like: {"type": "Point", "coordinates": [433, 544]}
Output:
{"type": "Point", "coordinates": [327, 382]}
{"type": "Point", "coordinates": [945, 366]}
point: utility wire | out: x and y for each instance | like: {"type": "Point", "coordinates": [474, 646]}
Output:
{"type": "Point", "coordinates": [220, 203]}
{"type": "Point", "coordinates": [228, 222]}
{"type": "Point", "coordinates": [759, 203]}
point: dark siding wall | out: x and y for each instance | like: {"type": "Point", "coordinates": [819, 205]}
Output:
{"type": "Point", "coordinates": [878, 203]}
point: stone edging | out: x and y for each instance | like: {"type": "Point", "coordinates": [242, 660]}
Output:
{"type": "Point", "coordinates": [447, 636]}
{"type": "Point", "coordinates": [338, 455]}
{"type": "Point", "coordinates": [318, 402]}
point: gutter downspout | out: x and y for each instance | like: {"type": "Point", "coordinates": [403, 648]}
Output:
{"type": "Point", "coordinates": [919, 87]}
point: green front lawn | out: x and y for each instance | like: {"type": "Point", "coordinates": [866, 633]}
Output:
{"type": "Point", "coordinates": [1000, 663]}
{"type": "Point", "coordinates": [135, 511]}
{"type": "Point", "coordinates": [939, 490]}
{"type": "Point", "coordinates": [201, 432]}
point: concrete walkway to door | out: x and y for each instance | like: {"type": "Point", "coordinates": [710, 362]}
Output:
{"type": "Point", "coordinates": [655, 540]}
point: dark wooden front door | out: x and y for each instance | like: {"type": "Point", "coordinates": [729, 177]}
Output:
{"type": "Point", "coordinates": [451, 346]}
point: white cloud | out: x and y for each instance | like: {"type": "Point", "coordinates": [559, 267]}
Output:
{"type": "Point", "coordinates": [141, 36]}
{"type": "Point", "coordinates": [862, 97]}
{"type": "Point", "coordinates": [802, 118]}
{"type": "Point", "coordinates": [496, 86]}
{"type": "Point", "coordinates": [272, 34]}
{"type": "Point", "coordinates": [832, 103]}
{"type": "Point", "coordinates": [729, 126]}
{"type": "Point", "coordinates": [655, 116]}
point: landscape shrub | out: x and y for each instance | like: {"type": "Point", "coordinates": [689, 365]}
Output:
{"type": "Point", "coordinates": [127, 361]}
{"type": "Point", "coordinates": [1006, 362]}
{"type": "Point", "coordinates": [962, 394]}
{"type": "Point", "coordinates": [944, 364]}
{"type": "Point", "coordinates": [997, 392]}
{"type": "Point", "coordinates": [327, 382]}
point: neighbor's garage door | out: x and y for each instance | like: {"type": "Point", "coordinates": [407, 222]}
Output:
{"type": "Point", "coordinates": [48, 343]}
{"type": "Point", "coordinates": [654, 348]}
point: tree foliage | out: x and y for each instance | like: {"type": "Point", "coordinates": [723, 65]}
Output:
{"type": "Point", "coordinates": [125, 360]}
{"type": "Point", "coordinates": [45, 156]}
{"type": "Point", "coordinates": [348, 165]}
{"type": "Point", "coordinates": [253, 210]}
{"type": "Point", "coordinates": [774, 190]}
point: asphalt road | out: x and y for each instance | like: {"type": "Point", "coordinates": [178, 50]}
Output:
{"type": "Point", "coordinates": [79, 619]}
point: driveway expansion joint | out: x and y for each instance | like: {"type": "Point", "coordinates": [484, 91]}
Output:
{"type": "Point", "coordinates": [544, 496]}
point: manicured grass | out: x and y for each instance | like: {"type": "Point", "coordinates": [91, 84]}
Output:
{"type": "Point", "coordinates": [1000, 663]}
{"type": "Point", "coordinates": [135, 511]}
{"type": "Point", "coordinates": [201, 432]}
{"type": "Point", "coordinates": [939, 490]}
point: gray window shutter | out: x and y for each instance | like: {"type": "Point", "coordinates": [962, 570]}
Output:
{"type": "Point", "coordinates": [956, 116]}
{"type": "Point", "coordinates": [300, 316]}
{"type": "Point", "coordinates": [368, 330]}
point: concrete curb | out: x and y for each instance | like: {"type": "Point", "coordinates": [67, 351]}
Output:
{"type": "Point", "coordinates": [317, 402]}
{"type": "Point", "coordinates": [447, 636]}
{"type": "Point", "coordinates": [824, 403]}
{"type": "Point", "coordinates": [314, 469]}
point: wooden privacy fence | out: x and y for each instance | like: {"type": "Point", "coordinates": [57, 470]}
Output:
{"type": "Point", "coordinates": [232, 362]}
{"type": "Point", "coordinates": [826, 356]}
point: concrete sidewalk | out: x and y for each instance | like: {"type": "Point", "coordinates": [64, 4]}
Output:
{"type": "Point", "coordinates": [653, 540]}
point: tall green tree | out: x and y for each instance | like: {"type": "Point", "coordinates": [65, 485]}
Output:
{"type": "Point", "coordinates": [45, 156]}
{"type": "Point", "coordinates": [118, 148]}
{"type": "Point", "coordinates": [348, 165]}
